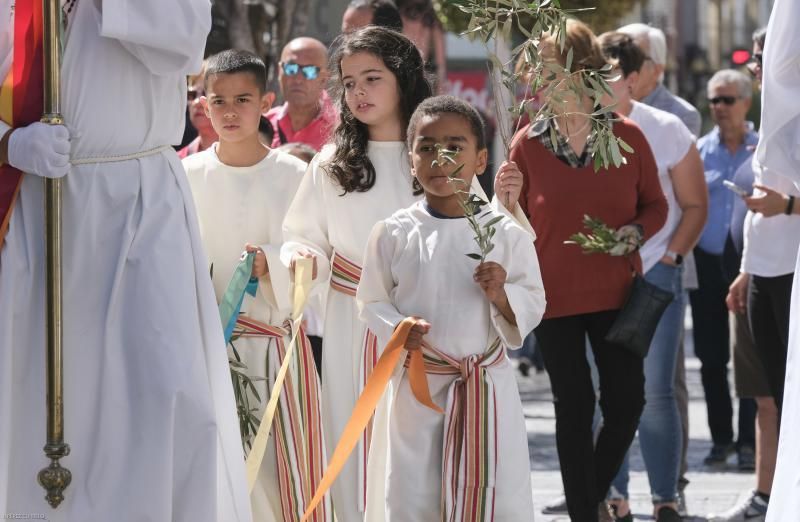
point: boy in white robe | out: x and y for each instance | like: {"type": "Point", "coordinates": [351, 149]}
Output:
{"type": "Point", "coordinates": [242, 190]}
{"type": "Point", "coordinates": [148, 409]}
{"type": "Point", "coordinates": [469, 313]}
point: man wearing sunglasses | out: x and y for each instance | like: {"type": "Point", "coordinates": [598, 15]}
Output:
{"type": "Point", "coordinates": [307, 115]}
{"type": "Point", "coordinates": [723, 150]}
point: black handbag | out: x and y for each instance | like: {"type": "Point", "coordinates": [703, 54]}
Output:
{"type": "Point", "coordinates": [636, 323]}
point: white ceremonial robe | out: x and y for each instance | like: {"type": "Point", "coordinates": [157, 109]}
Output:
{"type": "Point", "coordinates": [235, 206]}
{"type": "Point", "coordinates": [779, 150]}
{"type": "Point", "coordinates": [322, 220]}
{"type": "Point", "coordinates": [416, 266]}
{"type": "Point", "coordinates": [148, 405]}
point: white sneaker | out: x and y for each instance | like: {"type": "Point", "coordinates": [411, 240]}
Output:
{"type": "Point", "coordinates": [751, 509]}
{"type": "Point", "coordinates": [682, 511]}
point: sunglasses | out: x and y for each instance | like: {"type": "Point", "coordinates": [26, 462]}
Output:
{"type": "Point", "coordinates": [727, 100]}
{"type": "Point", "coordinates": [311, 72]}
{"type": "Point", "coordinates": [758, 59]}
{"type": "Point", "coordinates": [192, 94]}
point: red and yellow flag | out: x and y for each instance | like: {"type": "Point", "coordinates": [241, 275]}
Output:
{"type": "Point", "coordinates": [21, 93]}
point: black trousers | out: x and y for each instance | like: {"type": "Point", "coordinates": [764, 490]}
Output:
{"type": "Point", "coordinates": [587, 469]}
{"type": "Point", "coordinates": [768, 306]}
{"type": "Point", "coordinates": [712, 342]}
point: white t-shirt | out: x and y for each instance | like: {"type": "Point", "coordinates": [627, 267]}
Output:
{"type": "Point", "coordinates": [770, 243]}
{"type": "Point", "coordinates": [669, 139]}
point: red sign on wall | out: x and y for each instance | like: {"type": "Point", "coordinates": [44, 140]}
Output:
{"type": "Point", "coordinates": [474, 88]}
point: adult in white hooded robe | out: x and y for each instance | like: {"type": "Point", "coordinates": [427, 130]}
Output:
{"type": "Point", "coordinates": [148, 402]}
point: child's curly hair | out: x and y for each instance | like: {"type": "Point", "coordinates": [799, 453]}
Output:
{"type": "Point", "coordinates": [350, 166]}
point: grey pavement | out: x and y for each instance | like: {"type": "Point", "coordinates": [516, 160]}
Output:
{"type": "Point", "coordinates": [710, 491]}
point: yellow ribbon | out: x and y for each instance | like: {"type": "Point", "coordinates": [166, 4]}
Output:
{"type": "Point", "coordinates": [368, 400]}
{"type": "Point", "coordinates": [303, 270]}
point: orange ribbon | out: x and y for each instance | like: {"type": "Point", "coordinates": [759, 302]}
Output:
{"type": "Point", "coordinates": [368, 401]}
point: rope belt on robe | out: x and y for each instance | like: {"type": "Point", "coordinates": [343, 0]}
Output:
{"type": "Point", "coordinates": [469, 457]}
{"type": "Point", "coordinates": [120, 157]}
{"type": "Point", "coordinates": [345, 276]}
{"type": "Point", "coordinates": [469, 448]}
{"type": "Point", "coordinates": [297, 425]}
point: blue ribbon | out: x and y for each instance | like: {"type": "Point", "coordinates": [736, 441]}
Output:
{"type": "Point", "coordinates": [240, 284]}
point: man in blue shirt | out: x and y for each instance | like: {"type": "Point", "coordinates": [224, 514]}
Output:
{"type": "Point", "coordinates": [723, 150]}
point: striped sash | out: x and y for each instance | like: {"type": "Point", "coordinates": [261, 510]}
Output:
{"type": "Point", "coordinates": [469, 456]}
{"type": "Point", "coordinates": [297, 428]}
{"type": "Point", "coordinates": [345, 276]}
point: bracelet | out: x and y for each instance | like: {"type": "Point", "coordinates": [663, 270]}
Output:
{"type": "Point", "coordinates": [789, 206]}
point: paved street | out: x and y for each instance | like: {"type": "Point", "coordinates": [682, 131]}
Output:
{"type": "Point", "coordinates": [710, 491]}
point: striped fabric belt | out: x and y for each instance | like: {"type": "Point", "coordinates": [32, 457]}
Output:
{"type": "Point", "coordinates": [469, 457]}
{"type": "Point", "coordinates": [345, 275]}
{"type": "Point", "coordinates": [297, 427]}
{"type": "Point", "coordinates": [246, 327]}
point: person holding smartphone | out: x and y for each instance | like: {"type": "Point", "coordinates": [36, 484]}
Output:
{"type": "Point", "coordinates": [762, 293]}
{"type": "Point", "coordinates": [723, 150]}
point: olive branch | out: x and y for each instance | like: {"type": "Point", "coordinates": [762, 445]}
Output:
{"type": "Point", "coordinates": [470, 203]}
{"type": "Point", "coordinates": [494, 20]}
{"type": "Point", "coordinates": [246, 411]}
{"type": "Point", "coordinates": [603, 239]}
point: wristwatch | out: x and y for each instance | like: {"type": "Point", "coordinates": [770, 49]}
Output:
{"type": "Point", "coordinates": [676, 257]}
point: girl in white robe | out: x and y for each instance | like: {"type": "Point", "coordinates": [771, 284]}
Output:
{"type": "Point", "coordinates": [352, 184]}
{"type": "Point", "coordinates": [469, 313]}
{"type": "Point", "coordinates": [148, 405]}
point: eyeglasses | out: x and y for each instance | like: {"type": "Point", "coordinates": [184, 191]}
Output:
{"type": "Point", "coordinates": [311, 72]}
{"type": "Point", "coordinates": [757, 59]}
{"type": "Point", "coordinates": [727, 100]}
{"type": "Point", "coordinates": [192, 94]}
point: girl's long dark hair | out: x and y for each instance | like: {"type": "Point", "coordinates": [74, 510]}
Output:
{"type": "Point", "coordinates": [350, 166]}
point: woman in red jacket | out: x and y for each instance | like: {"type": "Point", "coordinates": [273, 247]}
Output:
{"type": "Point", "coordinates": [585, 292]}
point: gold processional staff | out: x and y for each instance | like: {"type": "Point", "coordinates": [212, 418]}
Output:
{"type": "Point", "coordinates": [53, 478]}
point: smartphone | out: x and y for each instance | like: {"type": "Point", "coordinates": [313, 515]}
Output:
{"type": "Point", "coordinates": [733, 187]}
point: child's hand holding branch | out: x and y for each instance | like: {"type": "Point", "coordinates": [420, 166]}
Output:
{"type": "Point", "coordinates": [260, 268]}
{"type": "Point", "coordinates": [492, 279]}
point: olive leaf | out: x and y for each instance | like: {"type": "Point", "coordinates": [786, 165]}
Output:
{"type": "Point", "coordinates": [244, 391]}
{"type": "Point", "coordinates": [470, 203]}
{"type": "Point", "coordinates": [491, 21]}
{"type": "Point", "coordinates": [600, 240]}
